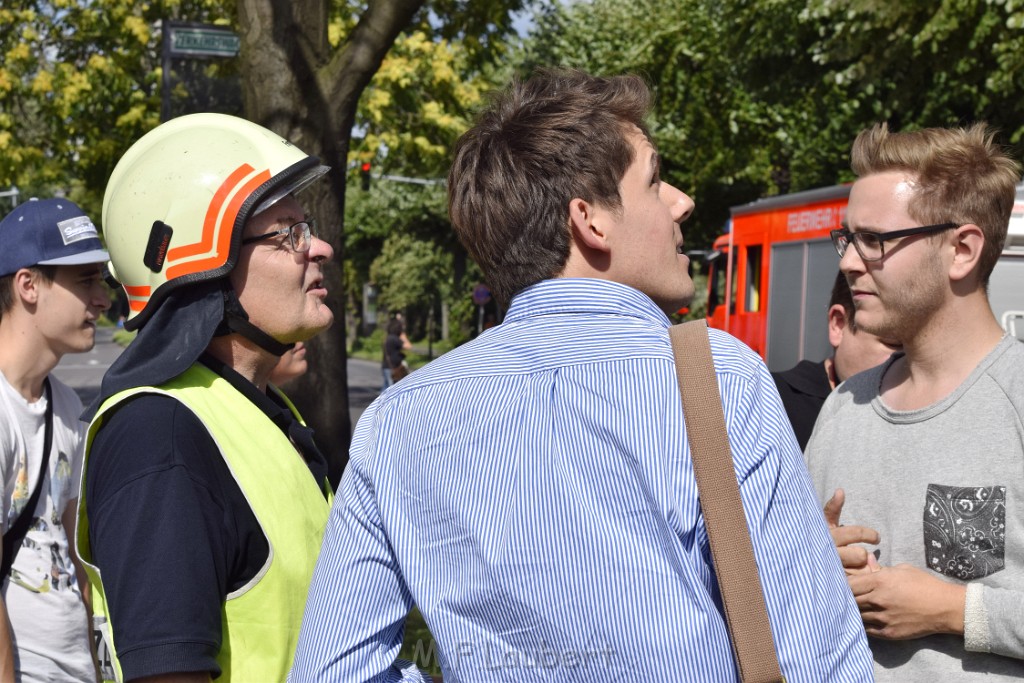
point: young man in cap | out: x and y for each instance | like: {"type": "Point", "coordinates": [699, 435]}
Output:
{"type": "Point", "coordinates": [204, 496]}
{"type": "Point", "coordinates": [51, 295]}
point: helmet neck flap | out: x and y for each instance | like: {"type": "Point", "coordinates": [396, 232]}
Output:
{"type": "Point", "coordinates": [175, 337]}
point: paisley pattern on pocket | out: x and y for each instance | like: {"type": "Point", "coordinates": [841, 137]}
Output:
{"type": "Point", "coordinates": [965, 530]}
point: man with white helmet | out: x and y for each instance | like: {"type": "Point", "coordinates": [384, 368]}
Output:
{"type": "Point", "coordinates": [204, 496]}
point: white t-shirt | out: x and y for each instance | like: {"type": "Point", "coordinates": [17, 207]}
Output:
{"type": "Point", "coordinates": [43, 601]}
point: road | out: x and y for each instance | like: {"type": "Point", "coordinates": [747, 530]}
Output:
{"type": "Point", "coordinates": [84, 371]}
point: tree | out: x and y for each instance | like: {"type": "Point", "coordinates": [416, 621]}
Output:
{"type": "Point", "coordinates": [409, 273]}
{"type": "Point", "coordinates": [919, 63]}
{"type": "Point", "coordinates": [714, 137]}
{"type": "Point", "coordinates": [78, 85]}
{"type": "Point", "coordinates": [762, 97]}
{"type": "Point", "coordinates": [305, 64]}
{"type": "Point", "coordinates": [80, 81]}
{"type": "Point", "coordinates": [415, 108]}
{"type": "Point", "coordinates": [377, 223]}
{"type": "Point", "coordinates": [417, 105]}
{"type": "Point", "coordinates": [298, 84]}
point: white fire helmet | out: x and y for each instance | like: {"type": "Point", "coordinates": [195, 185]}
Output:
{"type": "Point", "coordinates": [178, 199]}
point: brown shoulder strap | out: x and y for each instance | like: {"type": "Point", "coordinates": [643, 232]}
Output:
{"type": "Point", "coordinates": [728, 536]}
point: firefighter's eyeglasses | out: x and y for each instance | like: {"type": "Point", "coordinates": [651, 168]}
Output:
{"type": "Point", "coordinates": [300, 235]}
{"type": "Point", "coordinates": [871, 245]}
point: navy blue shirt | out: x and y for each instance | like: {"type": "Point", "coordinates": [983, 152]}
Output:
{"type": "Point", "coordinates": [803, 389]}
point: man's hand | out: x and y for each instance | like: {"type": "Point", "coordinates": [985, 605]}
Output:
{"type": "Point", "coordinates": [855, 559]}
{"type": "Point", "coordinates": [903, 602]}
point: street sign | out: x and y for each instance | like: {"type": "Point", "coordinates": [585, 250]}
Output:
{"type": "Point", "coordinates": [190, 41]}
{"type": "Point", "coordinates": [481, 295]}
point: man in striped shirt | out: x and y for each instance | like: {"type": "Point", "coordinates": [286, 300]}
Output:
{"type": "Point", "coordinates": [532, 491]}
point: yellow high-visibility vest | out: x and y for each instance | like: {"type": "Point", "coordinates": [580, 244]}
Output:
{"type": "Point", "coordinates": [260, 625]}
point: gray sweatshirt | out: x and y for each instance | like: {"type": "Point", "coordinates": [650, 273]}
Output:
{"type": "Point", "coordinates": [944, 488]}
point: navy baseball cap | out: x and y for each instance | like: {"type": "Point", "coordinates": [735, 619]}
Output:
{"type": "Point", "coordinates": [48, 232]}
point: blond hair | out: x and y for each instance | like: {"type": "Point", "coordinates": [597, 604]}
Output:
{"type": "Point", "coordinates": [962, 176]}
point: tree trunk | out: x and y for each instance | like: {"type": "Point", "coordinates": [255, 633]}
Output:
{"type": "Point", "coordinates": [296, 85]}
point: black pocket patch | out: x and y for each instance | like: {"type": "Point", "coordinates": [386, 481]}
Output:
{"type": "Point", "coordinates": [965, 530]}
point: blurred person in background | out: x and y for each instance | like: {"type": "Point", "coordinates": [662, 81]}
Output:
{"type": "Point", "coordinates": [393, 366]}
{"type": "Point", "coordinates": [293, 364]}
{"type": "Point", "coordinates": [804, 387]}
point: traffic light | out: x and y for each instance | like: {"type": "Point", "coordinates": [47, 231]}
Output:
{"type": "Point", "coordinates": [364, 176]}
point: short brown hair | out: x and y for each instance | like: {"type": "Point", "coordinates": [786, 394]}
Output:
{"type": "Point", "coordinates": [46, 273]}
{"type": "Point", "coordinates": [962, 177]}
{"type": "Point", "coordinates": [558, 135]}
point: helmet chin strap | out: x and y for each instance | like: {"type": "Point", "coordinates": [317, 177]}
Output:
{"type": "Point", "coordinates": [236, 320]}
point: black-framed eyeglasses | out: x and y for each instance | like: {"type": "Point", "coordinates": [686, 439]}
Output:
{"type": "Point", "coordinates": [870, 245]}
{"type": "Point", "coordinates": [300, 235]}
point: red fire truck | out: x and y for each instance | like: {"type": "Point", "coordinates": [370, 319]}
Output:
{"type": "Point", "coordinates": [771, 274]}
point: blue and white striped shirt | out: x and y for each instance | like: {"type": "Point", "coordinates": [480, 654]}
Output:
{"type": "Point", "coordinates": [532, 493]}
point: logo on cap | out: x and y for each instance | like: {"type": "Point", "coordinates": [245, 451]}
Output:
{"type": "Point", "coordinates": [77, 229]}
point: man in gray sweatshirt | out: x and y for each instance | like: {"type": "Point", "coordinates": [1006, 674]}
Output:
{"type": "Point", "coordinates": [923, 456]}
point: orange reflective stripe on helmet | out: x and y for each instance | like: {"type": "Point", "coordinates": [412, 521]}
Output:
{"type": "Point", "coordinates": [205, 242]}
{"type": "Point", "coordinates": [219, 231]}
{"type": "Point", "coordinates": [138, 296]}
